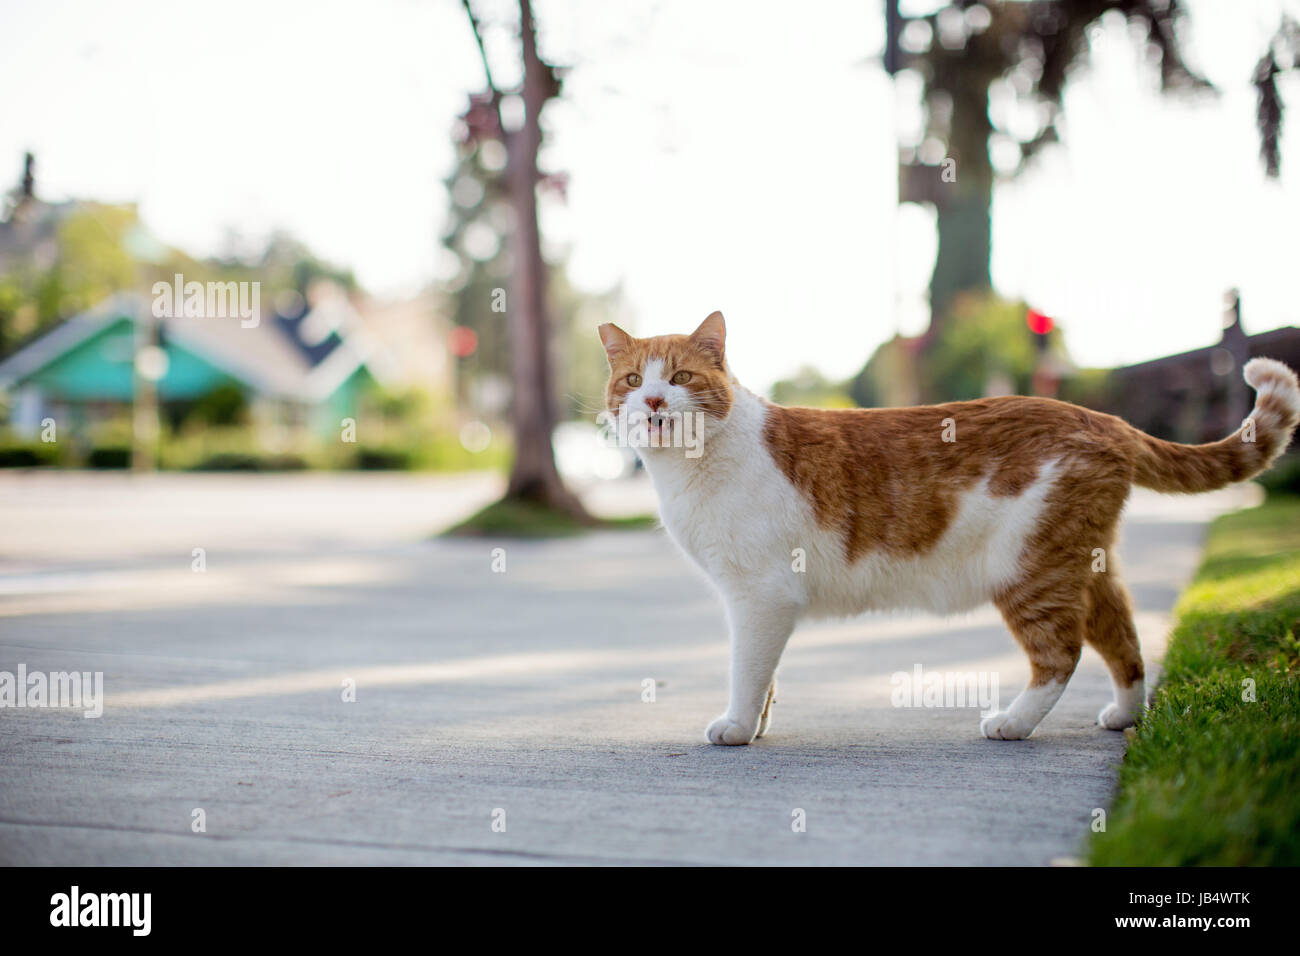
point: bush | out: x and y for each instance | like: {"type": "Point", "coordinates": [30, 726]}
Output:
{"type": "Point", "coordinates": [250, 461]}
{"type": "Point", "coordinates": [29, 454]}
{"type": "Point", "coordinates": [1284, 476]}
{"type": "Point", "coordinates": [378, 458]}
{"type": "Point", "coordinates": [109, 456]}
{"type": "Point", "coordinates": [225, 405]}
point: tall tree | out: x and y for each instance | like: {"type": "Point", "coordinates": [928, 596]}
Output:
{"type": "Point", "coordinates": [533, 475]}
{"type": "Point", "coordinates": [960, 51]}
{"type": "Point", "coordinates": [1283, 54]}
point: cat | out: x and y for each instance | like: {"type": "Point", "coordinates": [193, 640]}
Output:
{"type": "Point", "coordinates": [938, 508]}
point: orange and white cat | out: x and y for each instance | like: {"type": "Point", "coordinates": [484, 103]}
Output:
{"type": "Point", "coordinates": [938, 508]}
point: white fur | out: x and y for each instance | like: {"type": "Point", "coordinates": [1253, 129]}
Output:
{"type": "Point", "coordinates": [1124, 709]}
{"type": "Point", "coordinates": [1270, 377]}
{"type": "Point", "coordinates": [737, 515]}
{"type": "Point", "coordinates": [1025, 713]}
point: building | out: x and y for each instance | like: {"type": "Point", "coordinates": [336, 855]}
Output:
{"type": "Point", "coordinates": [300, 369]}
{"type": "Point", "coordinates": [1198, 396]}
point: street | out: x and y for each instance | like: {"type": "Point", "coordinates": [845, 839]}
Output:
{"type": "Point", "coordinates": [498, 716]}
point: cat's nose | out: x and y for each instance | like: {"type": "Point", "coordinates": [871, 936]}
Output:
{"type": "Point", "coordinates": [654, 402]}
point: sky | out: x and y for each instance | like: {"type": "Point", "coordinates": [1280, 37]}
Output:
{"type": "Point", "coordinates": [721, 155]}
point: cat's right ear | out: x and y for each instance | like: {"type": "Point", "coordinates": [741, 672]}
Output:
{"type": "Point", "coordinates": [615, 340]}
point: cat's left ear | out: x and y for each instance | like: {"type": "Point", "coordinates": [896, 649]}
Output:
{"type": "Point", "coordinates": [711, 336]}
{"type": "Point", "coordinates": [614, 339]}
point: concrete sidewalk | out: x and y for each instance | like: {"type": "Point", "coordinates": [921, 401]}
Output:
{"type": "Point", "coordinates": [479, 692]}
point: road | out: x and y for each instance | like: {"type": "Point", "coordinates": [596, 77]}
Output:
{"type": "Point", "coordinates": [486, 697]}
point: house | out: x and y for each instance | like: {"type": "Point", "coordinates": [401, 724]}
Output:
{"type": "Point", "coordinates": [1198, 396]}
{"type": "Point", "coordinates": [411, 332]}
{"type": "Point", "coordinates": [302, 369]}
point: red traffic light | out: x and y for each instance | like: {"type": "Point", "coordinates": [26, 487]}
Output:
{"type": "Point", "coordinates": [1038, 323]}
{"type": "Point", "coordinates": [462, 341]}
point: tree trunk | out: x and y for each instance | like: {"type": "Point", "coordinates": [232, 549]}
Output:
{"type": "Point", "coordinates": [965, 222]}
{"type": "Point", "coordinates": [533, 475]}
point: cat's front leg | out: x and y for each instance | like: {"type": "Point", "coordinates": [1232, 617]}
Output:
{"type": "Point", "coordinates": [759, 631]}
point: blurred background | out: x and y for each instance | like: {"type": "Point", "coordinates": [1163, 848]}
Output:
{"type": "Point", "coordinates": [433, 203]}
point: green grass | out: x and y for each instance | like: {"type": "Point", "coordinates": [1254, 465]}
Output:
{"type": "Point", "coordinates": [1211, 779]}
{"type": "Point", "coordinates": [513, 518]}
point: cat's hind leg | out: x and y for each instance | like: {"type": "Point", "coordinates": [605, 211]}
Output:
{"type": "Point", "coordinates": [1050, 629]}
{"type": "Point", "coordinates": [1110, 631]}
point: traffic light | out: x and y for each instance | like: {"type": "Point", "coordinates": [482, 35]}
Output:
{"type": "Point", "coordinates": [1040, 325]}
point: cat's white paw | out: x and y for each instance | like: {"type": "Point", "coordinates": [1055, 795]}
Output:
{"type": "Point", "coordinates": [728, 732]}
{"type": "Point", "coordinates": [1002, 726]}
{"type": "Point", "coordinates": [1115, 717]}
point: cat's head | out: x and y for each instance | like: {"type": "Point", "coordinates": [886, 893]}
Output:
{"type": "Point", "coordinates": [669, 375]}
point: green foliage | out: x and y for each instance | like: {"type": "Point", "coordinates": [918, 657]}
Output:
{"type": "Point", "coordinates": [92, 260]}
{"type": "Point", "coordinates": [476, 232]}
{"type": "Point", "coordinates": [985, 339]}
{"type": "Point", "coordinates": [1089, 387]}
{"type": "Point", "coordinates": [289, 263]}
{"type": "Point", "coordinates": [884, 380]}
{"type": "Point", "coordinates": [17, 453]}
{"type": "Point", "coordinates": [1284, 476]}
{"type": "Point", "coordinates": [407, 447]}
{"type": "Point", "coordinates": [580, 363]}
{"type": "Point", "coordinates": [383, 458]}
{"type": "Point", "coordinates": [476, 235]}
{"type": "Point", "coordinates": [224, 405]}
{"type": "Point", "coordinates": [18, 315]}
{"type": "Point", "coordinates": [250, 461]}
{"type": "Point", "coordinates": [109, 456]}
{"type": "Point", "coordinates": [1212, 777]}
{"type": "Point", "coordinates": [810, 388]}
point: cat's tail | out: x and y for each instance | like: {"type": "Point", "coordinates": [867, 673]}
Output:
{"type": "Point", "coordinates": [1251, 449]}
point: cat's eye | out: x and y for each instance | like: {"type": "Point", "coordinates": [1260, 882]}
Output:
{"type": "Point", "coordinates": [634, 379]}
{"type": "Point", "coordinates": [681, 378]}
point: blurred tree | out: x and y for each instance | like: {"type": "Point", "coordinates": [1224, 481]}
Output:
{"type": "Point", "coordinates": [94, 259]}
{"type": "Point", "coordinates": [476, 235]}
{"type": "Point", "coordinates": [287, 262]}
{"type": "Point", "coordinates": [533, 475]}
{"type": "Point", "coordinates": [78, 255]}
{"type": "Point", "coordinates": [889, 377]}
{"type": "Point", "coordinates": [810, 388]}
{"type": "Point", "coordinates": [477, 226]}
{"type": "Point", "coordinates": [580, 356]}
{"type": "Point", "coordinates": [960, 51]}
{"type": "Point", "coordinates": [985, 351]}
{"type": "Point", "coordinates": [1282, 55]}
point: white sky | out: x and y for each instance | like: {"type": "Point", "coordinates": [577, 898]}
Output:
{"type": "Point", "coordinates": [722, 155]}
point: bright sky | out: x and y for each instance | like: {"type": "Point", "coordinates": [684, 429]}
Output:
{"type": "Point", "coordinates": [722, 155]}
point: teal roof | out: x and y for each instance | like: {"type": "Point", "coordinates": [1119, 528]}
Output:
{"type": "Point", "coordinates": [90, 357]}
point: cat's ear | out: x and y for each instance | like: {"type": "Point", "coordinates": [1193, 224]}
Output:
{"type": "Point", "coordinates": [711, 336]}
{"type": "Point", "coordinates": [614, 339]}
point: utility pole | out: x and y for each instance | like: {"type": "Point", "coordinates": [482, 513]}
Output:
{"type": "Point", "coordinates": [148, 368]}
